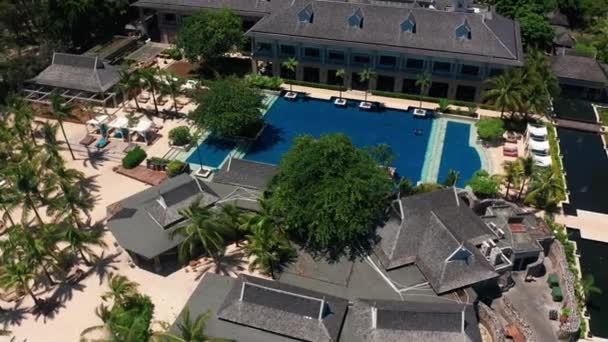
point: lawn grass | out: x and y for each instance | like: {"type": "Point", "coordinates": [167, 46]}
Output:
{"type": "Point", "coordinates": [556, 164]}
{"type": "Point", "coordinates": [603, 113]}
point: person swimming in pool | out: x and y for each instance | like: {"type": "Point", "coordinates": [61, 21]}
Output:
{"type": "Point", "coordinates": [417, 131]}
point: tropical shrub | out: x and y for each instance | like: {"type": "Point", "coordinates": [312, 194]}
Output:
{"type": "Point", "coordinates": [483, 184]}
{"type": "Point", "coordinates": [180, 136]}
{"type": "Point", "coordinates": [175, 167]}
{"type": "Point", "coordinates": [131, 318]}
{"type": "Point", "coordinates": [133, 158]}
{"type": "Point", "coordinates": [264, 82]}
{"type": "Point", "coordinates": [173, 53]}
{"type": "Point", "coordinates": [490, 128]}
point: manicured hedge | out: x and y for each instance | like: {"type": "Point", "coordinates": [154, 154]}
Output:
{"type": "Point", "coordinates": [175, 167]}
{"type": "Point", "coordinates": [134, 158]}
{"type": "Point", "coordinates": [431, 99]}
{"type": "Point", "coordinates": [264, 82]}
{"type": "Point", "coordinates": [556, 162]}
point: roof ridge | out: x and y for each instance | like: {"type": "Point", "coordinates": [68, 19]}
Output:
{"type": "Point", "coordinates": [96, 74]}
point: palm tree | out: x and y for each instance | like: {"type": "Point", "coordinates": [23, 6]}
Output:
{"type": "Point", "coordinates": [149, 77]}
{"type": "Point", "coordinates": [9, 201]}
{"type": "Point", "coordinates": [61, 111]}
{"type": "Point", "coordinates": [451, 178]}
{"type": "Point", "coordinates": [268, 248]}
{"type": "Point", "coordinates": [291, 64]}
{"type": "Point", "coordinates": [41, 248]}
{"type": "Point", "coordinates": [129, 81]}
{"type": "Point", "coordinates": [365, 76]}
{"type": "Point", "coordinates": [340, 74]}
{"type": "Point", "coordinates": [423, 81]}
{"type": "Point", "coordinates": [18, 274]}
{"type": "Point", "coordinates": [25, 177]}
{"type": "Point", "coordinates": [23, 115]}
{"type": "Point", "coordinates": [506, 91]}
{"type": "Point", "coordinates": [589, 287]}
{"type": "Point", "coordinates": [51, 145]}
{"type": "Point", "coordinates": [189, 330]}
{"type": "Point", "coordinates": [231, 217]}
{"type": "Point", "coordinates": [513, 174]}
{"type": "Point", "coordinates": [120, 288]}
{"type": "Point", "coordinates": [69, 203]}
{"type": "Point", "coordinates": [547, 189]}
{"type": "Point", "coordinates": [172, 86]}
{"type": "Point", "coordinates": [201, 231]}
{"type": "Point", "coordinates": [80, 240]}
{"type": "Point", "coordinates": [528, 167]}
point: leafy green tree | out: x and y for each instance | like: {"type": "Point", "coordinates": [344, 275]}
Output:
{"type": "Point", "coordinates": [506, 91]}
{"type": "Point", "coordinates": [536, 31]}
{"type": "Point", "coordinates": [129, 81]}
{"type": "Point", "coordinates": [329, 193]}
{"type": "Point", "coordinates": [206, 35]}
{"type": "Point", "coordinates": [291, 64]}
{"type": "Point", "coordinates": [269, 249]}
{"type": "Point", "coordinates": [383, 154]}
{"type": "Point", "coordinates": [61, 111]}
{"type": "Point", "coordinates": [365, 76]}
{"type": "Point", "coordinates": [423, 82]}
{"type": "Point", "coordinates": [483, 184]}
{"type": "Point", "coordinates": [513, 175]}
{"type": "Point", "coordinates": [228, 108]}
{"type": "Point", "coordinates": [202, 231]}
{"type": "Point", "coordinates": [490, 128]}
{"type": "Point", "coordinates": [451, 178]}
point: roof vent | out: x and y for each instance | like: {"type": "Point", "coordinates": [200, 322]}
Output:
{"type": "Point", "coordinates": [463, 31]}
{"type": "Point", "coordinates": [356, 19]}
{"type": "Point", "coordinates": [306, 15]}
{"type": "Point", "coordinates": [409, 24]}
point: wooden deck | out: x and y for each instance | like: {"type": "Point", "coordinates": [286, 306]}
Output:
{"type": "Point", "coordinates": [582, 126]}
{"type": "Point", "coordinates": [143, 174]}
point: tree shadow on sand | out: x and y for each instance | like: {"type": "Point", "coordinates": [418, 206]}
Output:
{"type": "Point", "coordinates": [229, 264]}
{"type": "Point", "coordinates": [14, 315]}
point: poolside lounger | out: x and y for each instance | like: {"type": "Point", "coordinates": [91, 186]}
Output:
{"type": "Point", "coordinates": [87, 140]}
{"type": "Point", "coordinates": [102, 142]}
{"type": "Point", "coordinates": [509, 151]}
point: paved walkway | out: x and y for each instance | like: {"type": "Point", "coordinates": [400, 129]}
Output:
{"type": "Point", "coordinates": [143, 174]}
{"type": "Point", "coordinates": [583, 126]}
{"type": "Point", "coordinates": [593, 226]}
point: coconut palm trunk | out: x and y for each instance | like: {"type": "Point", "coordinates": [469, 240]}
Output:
{"type": "Point", "coordinates": [29, 199]}
{"type": "Point", "coordinates": [84, 258]}
{"type": "Point", "coordinates": [65, 137]}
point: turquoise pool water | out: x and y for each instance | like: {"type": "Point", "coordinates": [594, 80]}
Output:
{"type": "Point", "coordinates": [426, 148]}
{"type": "Point", "coordinates": [212, 152]}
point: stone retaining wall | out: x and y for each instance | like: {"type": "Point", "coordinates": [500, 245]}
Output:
{"type": "Point", "coordinates": [514, 316]}
{"type": "Point", "coordinates": [566, 282]}
{"type": "Point", "coordinates": [537, 268]}
{"type": "Point", "coordinates": [488, 318]}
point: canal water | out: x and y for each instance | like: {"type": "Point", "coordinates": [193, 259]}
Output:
{"type": "Point", "coordinates": [594, 261]}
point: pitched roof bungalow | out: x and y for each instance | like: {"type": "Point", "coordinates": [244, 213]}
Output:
{"type": "Point", "coordinates": [441, 235]}
{"type": "Point", "coordinates": [76, 78]}
{"type": "Point", "coordinates": [142, 223]}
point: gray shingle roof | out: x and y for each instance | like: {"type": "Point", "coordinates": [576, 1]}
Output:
{"type": "Point", "coordinates": [252, 7]}
{"type": "Point", "coordinates": [397, 321]}
{"type": "Point", "coordinates": [136, 230]}
{"type": "Point", "coordinates": [493, 39]}
{"type": "Point", "coordinates": [246, 173]}
{"type": "Point", "coordinates": [578, 68]}
{"type": "Point", "coordinates": [284, 309]}
{"type": "Point", "coordinates": [435, 227]}
{"type": "Point", "coordinates": [79, 72]}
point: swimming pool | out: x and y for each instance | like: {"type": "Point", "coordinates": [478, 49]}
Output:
{"type": "Point", "coordinates": [211, 152]}
{"type": "Point", "coordinates": [287, 119]}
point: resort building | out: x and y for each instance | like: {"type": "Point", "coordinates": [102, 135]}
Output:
{"type": "Point", "coordinates": [258, 310]}
{"type": "Point", "coordinates": [580, 76]}
{"type": "Point", "coordinates": [142, 223]}
{"type": "Point", "coordinates": [458, 46]}
{"type": "Point", "coordinates": [76, 78]}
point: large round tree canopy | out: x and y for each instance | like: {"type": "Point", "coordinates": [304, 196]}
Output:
{"type": "Point", "coordinates": [229, 108]}
{"type": "Point", "coordinates": [329, 193]}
